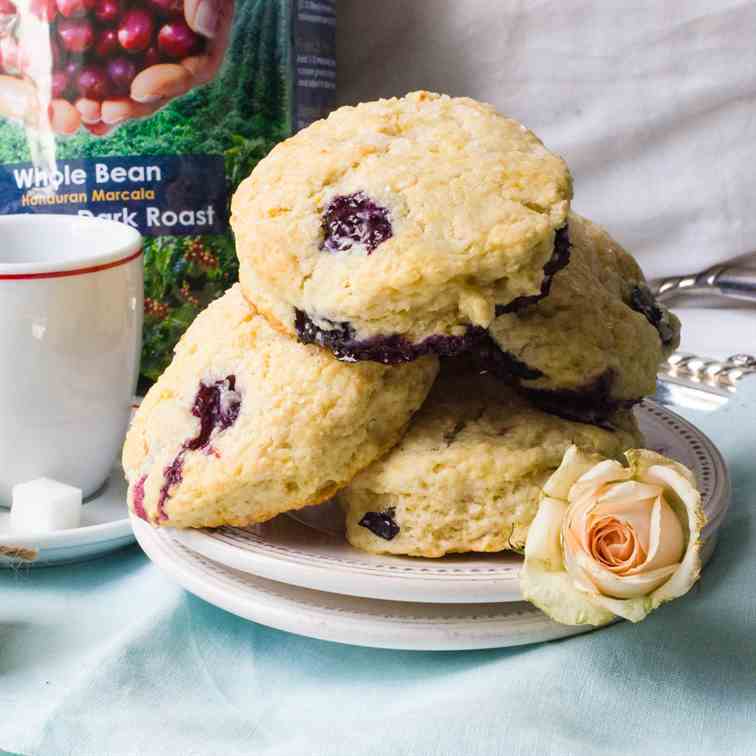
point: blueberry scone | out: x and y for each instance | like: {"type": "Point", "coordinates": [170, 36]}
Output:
{"type": "Point", "coordinates": [595, 343]}
{"type": "Point", "coordinates": [246, 423]}
{"type": "Point", "coordinates": [393, 229]}
{"type": "Point", "coordinates": [468, 473]}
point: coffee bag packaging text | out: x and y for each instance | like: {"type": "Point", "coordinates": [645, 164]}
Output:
{"type": "Point", "coordinates": [151, 112]}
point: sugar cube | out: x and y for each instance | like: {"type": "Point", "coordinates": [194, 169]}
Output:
{"type": "Point", "coordinates": [44, 505]}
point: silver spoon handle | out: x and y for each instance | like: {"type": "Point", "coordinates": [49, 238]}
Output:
{"type": "Point", "coordinates": [716, 373]}
{"type": "Point", "coordinates": [730, 281]}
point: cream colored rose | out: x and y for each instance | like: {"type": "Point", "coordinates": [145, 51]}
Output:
{"type": "Point", "coordinates": [610, 540]}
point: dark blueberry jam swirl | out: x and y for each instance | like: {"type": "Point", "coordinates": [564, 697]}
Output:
{"type": "Point", "coordinates": [353, 219]}
{"type": "Point", "coordinates": [217, 406]}
{"type": "Point", "coordinates": [643, 301]}
{"type": "Point", "coordinates": [394, 349]}
{"type": "Point", "coordinates": [592, 403]}
{"type": "Point", "coordinates": [489, 357]}
{"type": "Point", "coordinates": [559, 259]}
{"type": "Point", "coordinates": [172, 476]}
{"type": "Point", "coordinates": [381, 524]}
{"type": "Point", "coordinates": [138, 499]}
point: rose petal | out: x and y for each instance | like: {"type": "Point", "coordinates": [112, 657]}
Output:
{"type": "Point", "coordinates": [543, 579]}
{"type": "Point", "coordinates": [667, 537]}
{"type": "Point", "coordinates": [555, 594]}
{"type": "Point", "coordinates": [608, 471]}
{"type": "Point", "coordinates": [612, 542]}
{"type": "Point", "coordinates": [642, 460]}
{"type": "Point", "coordinates": [628, 492]}
{"type": "Point", "coordinates": [605, 471]}
{"type": "Point", "coordinates": [544, 535]}
{"type": "Point", "coordinates": [633, 610]}
{"type": "Point", "coordinates": [677, 479]}
{"type": "Point", "coordinates": [636, 514]}
{"type": "Point", "coordinates": [618, 586]}
{"type": "Point", "coordinates": [581, 577]}
{"type": "Point", "coordinates": [575, 463]}
{"type": "Point", "coordinates": [578, 521]}
{"type": "Point", "coordinates": [615, 545]}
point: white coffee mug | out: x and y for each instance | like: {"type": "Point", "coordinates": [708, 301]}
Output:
{"type": "Point", "coordinates": [71, 302]}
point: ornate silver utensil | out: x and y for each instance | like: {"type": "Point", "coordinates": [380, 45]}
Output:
{"type": "Point", "coordinates": [726, 280]}
{"type": "Point", "coordinates": [701, 383]}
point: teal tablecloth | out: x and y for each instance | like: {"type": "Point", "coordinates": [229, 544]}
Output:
{"type": "Point", "coordinates": [110, 657]}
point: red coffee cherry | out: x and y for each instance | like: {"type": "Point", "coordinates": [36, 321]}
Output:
{"type": "Point", "coordinates": [176, 40]}
{"type": "Point", "coordinates": [108, 11]}
{"type": "Point", "coordinates": [57, 55]}
{"type": "Point", "coordinates": [76, 34]}
{"type": "Point", "coordinates": [98, 129]}
{"type": "Point", "coordinates": [107, 44]}
{"type": "Point", "coordinates": [121, 72]}
{"type": "Point", "coordinates": [93, 83]}
{"type": "Point", "coordinates": [59, 85]}
{"type": "Point", "coordinates": [151, 57]}
{"type": "Point", "coordinates": [71, 69]}
{"type": "Point", "coordinates": [71, 8]}
{"type": "Point", "coordinates": [136, 30]}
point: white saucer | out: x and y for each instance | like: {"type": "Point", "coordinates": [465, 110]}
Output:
{"type": "Point", "coordinates": [345, 619]}
{"type": "Point", "coordinates": [308, 548]}
{"type": "Point", "coordinates": [105, 527]}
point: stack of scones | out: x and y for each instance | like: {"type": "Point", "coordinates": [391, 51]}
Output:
{"type": "Point", "coordinates": [421, 329]}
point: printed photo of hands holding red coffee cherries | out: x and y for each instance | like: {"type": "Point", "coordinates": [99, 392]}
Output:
{"type": "Point", "coordinates": [109, 61]}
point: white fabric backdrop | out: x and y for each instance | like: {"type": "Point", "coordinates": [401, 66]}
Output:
{"type": "Point", "coordinates": [652, 104]}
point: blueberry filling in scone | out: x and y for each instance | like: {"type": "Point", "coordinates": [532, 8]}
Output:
{"type": "Point", "coordinates": [642, 300]}
{"type": "Point", "coordinates": [217, 406]}
{"type": "Point", "coordinates": [138, 499]}
{"type": "Point", "coordinates": [559, 259]}
{"type": "Point", "coordinates": [593, 346]}
{"type": "Point", "coordinates": [357, 219]}
{"type": "Point", "coordinates": [489, 357]}
{"type": "Point", "coordinates": [381, 524]}
{"type": "Point", "coordinates": [172, 476]}
{"type": "Point", "coordinates": [353, 219]}
{"type": "Point", "coordinates": [591, 404]}
{"type": "Point", "coordinates": [341, 339]}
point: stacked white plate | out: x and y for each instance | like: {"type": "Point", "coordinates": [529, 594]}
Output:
{"type": "Point", "coordinates": [298, 573]}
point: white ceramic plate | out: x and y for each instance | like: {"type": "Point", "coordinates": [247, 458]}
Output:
{"type": "Point", "coordinates": [105, 527]}
{"type": "Point", "coordinates": [345, 619]}
{"type": "Point", "coordinates": [308, 548]}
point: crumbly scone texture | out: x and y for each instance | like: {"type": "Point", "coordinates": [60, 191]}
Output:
{"type": "Point", "coordinates": [468, 474]}
{"type": "Point", "coordinates": [586, 328]}
{"type": "Point", "coordinates": [301, 425]}
{"type": "Point", "coordinates": [473, 200]}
